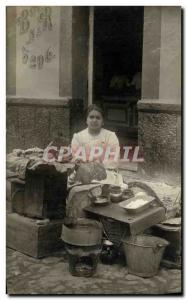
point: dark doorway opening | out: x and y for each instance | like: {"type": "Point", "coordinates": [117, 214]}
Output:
{"type": "Point", "coordinates": [118, 40]}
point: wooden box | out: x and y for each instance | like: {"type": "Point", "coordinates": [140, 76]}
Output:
{"type": "Point", "coordinates": [17, 196]}
{"type": "Point", "coordinates": [41, 195]}
{"type": "Point", "coordinates": [26, 236]}
{"type": "Point", "coordinates": [45, 195]}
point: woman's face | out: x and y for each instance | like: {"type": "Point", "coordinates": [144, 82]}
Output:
{"type": "Point", "coordinates": [94, 120]}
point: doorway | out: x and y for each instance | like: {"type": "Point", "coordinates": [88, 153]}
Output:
{"type": "Point", "coordinates": [117, 66]}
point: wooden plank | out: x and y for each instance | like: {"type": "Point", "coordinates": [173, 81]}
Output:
{"type": "Point", "coordinates": [35, 205]}
{"type": "Point", "coordinates": [153, 217]}
{"type": "Point", "coordinates": [137, 222]}
{"type": "Point", "coordinates": [130, 166]}
{"type": "Point", "coordinates": [26, 236]}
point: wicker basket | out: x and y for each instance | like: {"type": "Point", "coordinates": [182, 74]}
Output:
{"type": "Point", "coordinates": [114, 230]}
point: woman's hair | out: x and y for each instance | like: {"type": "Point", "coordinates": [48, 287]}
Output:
{"type": "Point", "coordinates": [94, 107]}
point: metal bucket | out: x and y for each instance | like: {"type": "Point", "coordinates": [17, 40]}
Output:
{"type": "Point", "coordinates": [143, 254]}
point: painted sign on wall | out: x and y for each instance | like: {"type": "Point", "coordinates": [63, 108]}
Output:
{"type": "Point", "coordinates": [37, 45]}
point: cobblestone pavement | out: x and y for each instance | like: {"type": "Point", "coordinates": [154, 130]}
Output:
{"type": "Point", "coordinates": [26, 275]}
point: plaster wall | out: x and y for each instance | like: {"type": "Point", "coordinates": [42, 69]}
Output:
{"type": "Point", "coordinates": [159, 110]}
{"type": "Point", "coordinates": [37, 51]}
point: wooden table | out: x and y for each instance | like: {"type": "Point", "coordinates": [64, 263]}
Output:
{"type": "Point", "coordinates": [136, 223]}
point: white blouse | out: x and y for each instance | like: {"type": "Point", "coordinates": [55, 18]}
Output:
{"type": "Point", "coordinates": [103, 139]}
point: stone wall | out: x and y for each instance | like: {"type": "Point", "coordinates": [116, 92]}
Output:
{"type": "Point", "coordinates": [37, 122]}
{"type": "Point", "coordinates": [160, 140]}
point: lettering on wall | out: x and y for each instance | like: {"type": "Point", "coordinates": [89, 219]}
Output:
{"type": "Point", "coordinates": [37, 61]}
{"type": "Point", "coordinates": [32, 23]}
{"type": "Point", "coordinates": [37, 51]}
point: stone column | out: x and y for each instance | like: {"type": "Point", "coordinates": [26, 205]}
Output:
{"type": "Point", "coordinates": [74, 53]}
{"type": "Point", "coordinates": [160, 106]}
{"type": "Point", "coordinates": [46, 73]}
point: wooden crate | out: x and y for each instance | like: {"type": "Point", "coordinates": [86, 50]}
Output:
{"type": "Point", "coordinates": [26, 236]}
{"type": "Point", "coordinates": [41, 195]}
{"type": "Point", "coordinates": [44, 195]}
{"type": "Point", "coordinates": [17, 196]}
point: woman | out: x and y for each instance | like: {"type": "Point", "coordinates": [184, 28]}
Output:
{"type": "Point", "coordinates": [98, 143]}
{"type": "Point", "coordinates": [98, 151]}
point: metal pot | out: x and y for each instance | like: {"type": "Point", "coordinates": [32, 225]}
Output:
{"type": "Point", "coordinates": [85, 232]}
